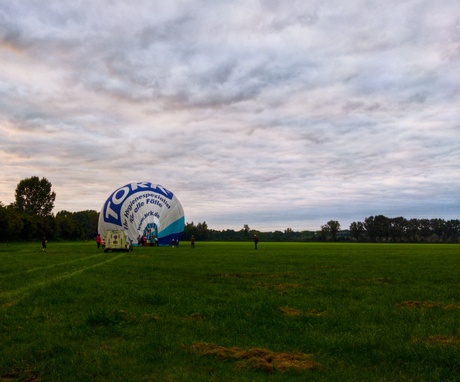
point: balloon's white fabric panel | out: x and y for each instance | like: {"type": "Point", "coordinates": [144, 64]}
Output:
{"type": "Point", "coordinates": [143, 208]}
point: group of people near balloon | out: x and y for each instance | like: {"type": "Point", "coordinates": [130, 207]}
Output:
{"type": "Point", "coordinates": [143, 241]}
{"type": "Point", "coordinates": [132, 208]}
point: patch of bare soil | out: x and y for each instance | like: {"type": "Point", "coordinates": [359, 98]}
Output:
{"type": "Point", "coordinates": [16, 377]}
{"type": "Point", "coordinates": [427, 305]}
{"type": "Point", "coordinates": [379, 280]}
{"type": "Point", "coordinates": [281, 288]}
{"type": "Point", "coordinates": [285, 286]}
{"type": "Point", "coordinates": [374, 280]}
{"type": "Point", "coordinates": [258, 358]}
{"type": "Point", "coordinates": [284, 275]}
{"type": "Point", "coordinates": [150, 317]}
{"type": "Point", "coordinates": [194, 317]}
{"type": "Point", "coordinates": [291, 312]}
{"type": "Point", "coordinates": [242, 275]}
{"type": "Point", "coordinates": [441, 340]}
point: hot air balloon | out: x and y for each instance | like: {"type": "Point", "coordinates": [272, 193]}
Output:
{"type": "Point", "coordinates": [143, 208]}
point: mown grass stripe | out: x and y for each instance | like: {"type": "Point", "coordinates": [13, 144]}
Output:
{"type": "Point", "coordinates": [49, 266]}
{"type": "Point", "coordinates": [14, 296]}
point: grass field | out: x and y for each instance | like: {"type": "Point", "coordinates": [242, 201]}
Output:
{"type": "Point", "coordinates": [226, 312]}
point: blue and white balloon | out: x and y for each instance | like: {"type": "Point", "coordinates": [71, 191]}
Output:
{"type": "Point", "coordinates": [143, 208]}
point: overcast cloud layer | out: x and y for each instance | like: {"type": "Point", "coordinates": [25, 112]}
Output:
{"type": "Point", "coordinates": [270, 113]}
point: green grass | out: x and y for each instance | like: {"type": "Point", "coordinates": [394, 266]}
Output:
{"type": "Point", "coordinates": [362, 312]}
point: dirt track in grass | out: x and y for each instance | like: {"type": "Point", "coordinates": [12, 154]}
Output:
{"type": "Point", "coordinates": [258, 358]}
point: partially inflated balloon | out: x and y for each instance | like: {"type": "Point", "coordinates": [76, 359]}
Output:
{"type": "Point", "coordinates": [143, 208]}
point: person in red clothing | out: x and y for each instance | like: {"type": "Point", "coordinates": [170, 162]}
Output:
{"type": "Point", "coordinates": [256, 241]}
{"type": "Point", "coordinates": [98, 241]}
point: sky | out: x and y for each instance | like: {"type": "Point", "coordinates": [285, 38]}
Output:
{"type": "Point", "coordinates": [276, 114]}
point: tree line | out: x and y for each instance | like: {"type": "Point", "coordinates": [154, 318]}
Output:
{"type": "Point", "coordinates": [401, 230]}
{"type": "Point", "coordinates": [30, 218]}
{"type": "Point", "coordinates": [379, 229]}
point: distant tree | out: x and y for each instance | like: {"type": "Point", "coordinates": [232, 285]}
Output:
{"type": "Point", "coordinates": [202, 231]}
{"type": "Point", "coordinates": [397, 228]}
{"type": "Point", "coordinates": [289, 234]}
{"type": "Point", "coordinates": [246, 230]}
{"type": "Point", "coordinates": [307, 236]}
{"type": "Point", "coordinates": [453, 230]}
{"type": "Point", "coordinates": [34, 196]}
{"type": "Point", "coordinates": [438, 227]}
{"type": "Point", "coordinates": [30, 227]}
{"type": "Point", "coordinates": [276, 236]}
{"type": "Point", "coordinates": [425, 229]}
{"type": "Point", "coordinates": [46, 226]}
{"type": "Point", "coordinates": [330, 229]}
{"type": "Point", "coordinates": [412, 231]}
{"type": "Point", "coordinates": [88, 221]}
{"type": "Point", "coordinates": [10, 223]}
{"type": "Point", "coordinates": [371, 228]}
{"type": "Point", "coordinates": [189, 230]}
{"type": "Point", "coordinates": [227, 235]}
{"type": "Point", "coordinates": [382, 224]}
{"type": "Point", "coordinates": [68, 227]}
{"type": "Point", "coordinates": [357, 230]}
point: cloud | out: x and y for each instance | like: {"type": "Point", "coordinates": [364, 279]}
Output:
{"type": "Point", "coordinates": [251, 112]}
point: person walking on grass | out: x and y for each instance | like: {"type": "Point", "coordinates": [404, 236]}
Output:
{"type": "Point", "coordinates": [98, 241]}
{"type": "Point", "coordinates": [192, 241]}
{"type": "Point", "coordinates": [256, 241]}
{"type": "Point", "coordinates": [44, 244]}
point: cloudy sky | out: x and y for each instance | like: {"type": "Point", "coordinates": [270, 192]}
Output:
{"type": "Point", "coordinates": [277, 114]}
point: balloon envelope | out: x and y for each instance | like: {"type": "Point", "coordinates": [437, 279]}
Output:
{"type": "Point", "coordinates": [143, 208]}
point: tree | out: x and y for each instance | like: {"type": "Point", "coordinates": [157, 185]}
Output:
{"type": "Point", "coordinates": [189, 230]}
{"type": "Point", "coordinates": [10, 223]}
{"type": "Point", "coordinates": [425, 229]}
{"type": "Point", "coordinates": [413, 227]}
{"type": "Point", "coordinates": [357, 230]}
{"type": "Point", "coordinates": [68, 228]}
{"type": "Point", "coordinates": [371, 228]}
{"type": "Point", "coordinates": [453, 230]}
{"type": "Point", "coordinates": [277, 236]}
{"type": "Point", "coordinates": [382, 224]}
{"type": "Point", "coordinates": [246, 230]}
{"type": "Point", "coordinates": [30, 228]}
{"type": "Point", "coordinates": [202, 231]}
{"type": "Point", "coordinates": [332, 227]}
{"type": "Point", "coordinates": [88, 222]}
{"type": "Point", "coordinates": [439, 228]}
{"type": "Point", "coordinates": [398, 228]}
{"type": "Point", "coordinates": [288, 234]}
{"type": "Point", "coordinates": [34, 196]}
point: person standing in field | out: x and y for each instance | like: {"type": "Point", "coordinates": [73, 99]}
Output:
{"type": "Point", "coordinates": [98, 241]}
{"type": "Point", "coordinates": [256, 241]}
{"type": "Point", "coordinates": [44, 244]}
{"type": "Point", "coordinates": [192, 241]}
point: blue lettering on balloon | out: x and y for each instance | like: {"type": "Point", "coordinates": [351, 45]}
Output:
{"type": "Point", "coordinates": [112, 206]}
